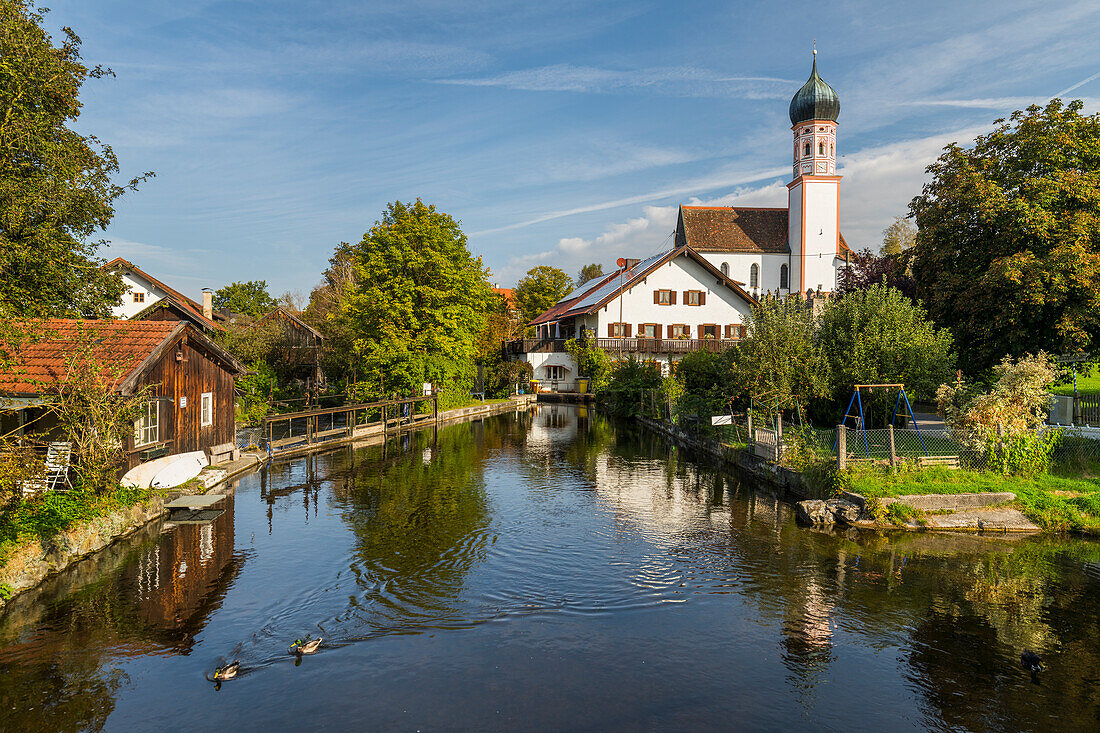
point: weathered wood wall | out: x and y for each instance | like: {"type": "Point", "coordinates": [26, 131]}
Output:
{"type": "Point", "coordinates": [195, 374]}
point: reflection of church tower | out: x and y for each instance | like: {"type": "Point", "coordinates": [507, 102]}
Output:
{"type": "Point", "coordinates": [813, 195]}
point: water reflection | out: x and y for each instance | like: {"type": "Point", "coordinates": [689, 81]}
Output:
{"type": "Point", "coordinates": [544, 568]}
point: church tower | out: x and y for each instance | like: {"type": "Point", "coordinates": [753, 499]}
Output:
{"type": "Point", "coordinates": [813, 195]}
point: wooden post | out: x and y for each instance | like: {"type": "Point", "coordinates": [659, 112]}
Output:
{"type": "Point", "coordinates": [841, 447]}
{"type": "Point", "coordinates": [750, 440]}
{"type": "Point", "coordinates": [778, 433]}
{"type": "Point", "coordinates": [435, 406]}
{"type": "Point", "coordinates": [893, 452]}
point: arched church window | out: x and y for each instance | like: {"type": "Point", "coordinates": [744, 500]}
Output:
{"type": "Point", "coordinates": [726, 269]}
{"type": "Point", "coordinates": [807, 149]}
{"type": "Point", "coordinates": [832, 149]}
{"type": "Point", "coordinates": [821, 148]}
{"type": "Point", "coordinates": [754, 276]}
{"type": "Point", "coordinates": [783, 280]}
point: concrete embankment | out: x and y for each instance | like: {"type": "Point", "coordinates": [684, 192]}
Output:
{"type": "Point", "coordinates": [980, 512]}
{"type": "Point", "coordinates": [30, 564]}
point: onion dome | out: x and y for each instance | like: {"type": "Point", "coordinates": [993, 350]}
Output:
{"type": "Point", "coordinates": [816, 100]}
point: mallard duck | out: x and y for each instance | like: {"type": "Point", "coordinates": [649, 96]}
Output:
{"type": "Point", "coordinates": [1030, 661]}
{"type": "Point", "coordinates": [227, 672]}
{"type": "Point", "coordinates": [300, 647]}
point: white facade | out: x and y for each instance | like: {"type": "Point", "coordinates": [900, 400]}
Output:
{"type": "Point", "coordinates": [769, 270]}
{"type": "Point", "coordinates": [140, 294]}
{"type": "Point", "coordinates": [815, 232]}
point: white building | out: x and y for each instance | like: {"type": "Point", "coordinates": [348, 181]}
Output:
{"type": "Point", "coordinates": [660, 308]}
{"type": "Point", "coordinates": [149, 299]}
{"type": "Point", "coordinates": [785, 250]}
{"type": "Point", "coordinates": [700, 294]}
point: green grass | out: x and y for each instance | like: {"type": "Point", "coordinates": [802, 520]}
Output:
{"type": "Point", "coordinates": [45, 516]}
{"type": "Point", "coordinates": [1089, 385]}
{"type": "Point", "coordinates": [1054, 502]}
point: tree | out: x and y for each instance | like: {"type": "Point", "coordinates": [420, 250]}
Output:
{"type": "Point", "coordinates": [541, 288]}
{"type": "Point", "coordinates": [250, 298]}
{"type": "Point", "coordinates": [1008, 242]}
{"type": "Point", "coordinates": [56, 186]}
{"type": "Point", "coordinates": [416, 305]}
{"type": "Point", "coordinates": [589, 272]}
{"type": "Point", "coordinates": [780, 362]}
{"type": "Point", "coordinates": [879, 336]}
{"type": "Point", "coordinates": [866, 269]}
{"type": "Point", "coordinates": [899, 236]}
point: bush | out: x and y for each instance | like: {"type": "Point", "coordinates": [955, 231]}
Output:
{"type": "Point", "coordinates": [630, 379]}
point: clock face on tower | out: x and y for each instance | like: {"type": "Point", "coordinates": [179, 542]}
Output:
{"type": "Point", "coordinates": [821, 167]}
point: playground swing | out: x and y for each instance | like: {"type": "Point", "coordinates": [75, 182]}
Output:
{"type": "Point", "coordinates": [861, 423]}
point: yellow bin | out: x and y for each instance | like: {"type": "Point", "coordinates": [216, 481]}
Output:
{"type": "Point", "coordinates": [582, 386]}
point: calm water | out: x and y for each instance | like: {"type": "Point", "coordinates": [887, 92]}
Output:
{"type": "Point", "coordinates": [549, 570]}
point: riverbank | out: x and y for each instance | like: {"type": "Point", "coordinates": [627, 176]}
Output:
{"type": "Point", "coordinates": [61, 529]}
{"type": "Point", "coordinates": [917, 500]}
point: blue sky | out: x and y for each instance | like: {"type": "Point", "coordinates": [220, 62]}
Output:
{"type": "Point", "coordinates": [556, 132]}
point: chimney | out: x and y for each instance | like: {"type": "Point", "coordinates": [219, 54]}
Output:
{"type": "Point", "coordinates": [208, 303]}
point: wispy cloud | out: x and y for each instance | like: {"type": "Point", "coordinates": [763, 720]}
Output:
{"type": "Point", "coordinates": [675, 81]}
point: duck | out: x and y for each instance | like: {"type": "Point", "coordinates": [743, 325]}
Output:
{"type": "Point", "coordinates": [227, 672]}
{"type": "Point", "coordinates": [300, 647]}
{"type": "Point", "coordinates": [1031, 661]}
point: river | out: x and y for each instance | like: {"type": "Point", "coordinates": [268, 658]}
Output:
{"type": "Point", "coordinates": [549, 570]}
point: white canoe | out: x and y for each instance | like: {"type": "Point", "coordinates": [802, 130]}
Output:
{"type": "Point", "coordinates": [141, 475]}
{"type": "Point", "coordinates": [185, 467]}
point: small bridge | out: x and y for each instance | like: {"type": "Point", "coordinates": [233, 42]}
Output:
{"type": "Point", "coordinates": [295, 430]}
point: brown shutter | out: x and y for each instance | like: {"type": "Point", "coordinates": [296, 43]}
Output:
{"type": "Point", "coordinates": [702, 298]}
{"type": "Point", "coordinates": [700, 330]}
{"type": "Point", "coordinates": [627, 327]}
{"type": "Point", "coordinates": [670, 334]}
{"type": "Point", "coordinates": [657, 330]}
{"type": "Point", "coordinates": [641, 330]}
{"type": "Point", "coordinates": [656, 297]}
{"type": "Point", "coordinates": [744, 331]}
{"type": "Point", "coordinates": [611, 330]}
{"type": "Point", "coordinates": [687, 300]}
{"type": "Point", "coordinates": [729, 331]}
{"type": "Point", "coordinates": [672, 297]}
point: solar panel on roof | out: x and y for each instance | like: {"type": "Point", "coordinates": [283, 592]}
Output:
{"type": "Point", "coordinates": [612, 285]}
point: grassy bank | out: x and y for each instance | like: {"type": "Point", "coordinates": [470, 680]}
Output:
{"type": "Point", "coordinates": [45, 516]}
{"type": "Point", "coordinates": [1089, 385]}
{"type": "Point", "coordinates": [1056, 503]}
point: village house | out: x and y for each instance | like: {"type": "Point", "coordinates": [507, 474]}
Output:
{"type": "Point", "coordinates": [301, 345]}
{"type": "Point", "coordinates": [659, 308]}
{"type": "Point", "coordinates": [699, 294]}
{"type": "Point", "coordinates": [149, 299]}
{"type": "Point", "coordinates": [189, 381]}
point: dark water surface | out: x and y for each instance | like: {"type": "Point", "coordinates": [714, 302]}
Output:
{"type": "Point", "coordinates": [549, 570]}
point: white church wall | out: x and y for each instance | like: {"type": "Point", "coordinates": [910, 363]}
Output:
{"type": "Point", "coordinates": [821, 234]}
{"type": "Point", "coordinates": [740, 264]}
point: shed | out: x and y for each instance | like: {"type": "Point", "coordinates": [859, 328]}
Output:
{"type": "Point", "coordinates": [190, 379]}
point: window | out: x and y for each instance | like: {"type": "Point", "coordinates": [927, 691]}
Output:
{"type": "Point", "coordinates": [726, 269]}
{"type": "Point", "coordinates": [649, 330]}
{"type": "Point", "coordinates": [679, 331]}
{"type": "Point", "coordinates": [695, 297]}
{"type": "Point", "coordinates": [832, 149]}
{"type": "Point", "coordinates": [146, 427]}
{"type": "Point", "coordinates": [555, 372]}
{"type": "Point", "coordinates": [664, 297]}
{"type": "Point", "coordinates": [207, 408]}
{"type": "Point", "coordinates": [806, 150]}
{"type": "Point", "coordinates": [708, 331]}
{"type": "Point", "coordinates": [783, 279]}
{"type": "Point", "coordinates": [754, 276]}
{"type": "Point", "coordinates": [618, 330]}
{"type": "Point", "coordinates": [139, 297]}
{"type": "Point", "coordinates": [821, 148]}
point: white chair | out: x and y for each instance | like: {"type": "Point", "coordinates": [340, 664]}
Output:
{"type": "Point", "coordinates": [59, 457]}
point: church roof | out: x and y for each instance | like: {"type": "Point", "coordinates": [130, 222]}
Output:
{"type": "Point", "coordinates": [816, 100]}
{"type": "Point", "coordinates": [738, 229]}
{"type": "Point", "coordinates": [733, 229]}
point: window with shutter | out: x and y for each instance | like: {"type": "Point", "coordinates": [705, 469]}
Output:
{"type": "Point", "coordinates": [672, 297]}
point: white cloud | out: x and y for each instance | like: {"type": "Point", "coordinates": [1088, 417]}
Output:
{"type": "Point", "coordinates": [573, 244]}
{"type": "Point", "coordinates": [684, 81]}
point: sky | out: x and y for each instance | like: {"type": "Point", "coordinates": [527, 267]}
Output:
{"type": "Point", "coordinates": [556, 133]}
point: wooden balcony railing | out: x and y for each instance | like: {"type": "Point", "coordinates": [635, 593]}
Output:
{"type": "Point", "coordinates": [632, 345]}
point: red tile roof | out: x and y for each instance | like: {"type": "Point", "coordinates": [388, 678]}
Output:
{"type": "Point", "coordinates": [509, 296]}
{"type": "Point", "coordinates": [734, 229]}
{"type": "Point", "coordinates": [190, 307]}
{"type": "Point", "coordinates": [118, 346]}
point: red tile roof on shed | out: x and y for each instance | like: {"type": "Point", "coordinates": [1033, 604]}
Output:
{"type": "Point", "coordinates": [119, 346]}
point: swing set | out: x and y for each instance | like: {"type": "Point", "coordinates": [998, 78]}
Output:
{"type": "Point", "coordinates": [860, 421]}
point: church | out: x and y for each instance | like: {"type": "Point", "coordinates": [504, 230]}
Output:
{"type": "Point", "coordinates": [699, 295]}
{"type": "Point", "coordinates": [785, 250]}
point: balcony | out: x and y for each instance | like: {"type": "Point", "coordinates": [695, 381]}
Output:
{"type": "Point", "coordinates": [632, 345]}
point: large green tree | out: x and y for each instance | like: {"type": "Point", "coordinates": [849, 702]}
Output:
{"type": "Point", "coordinates": [1008, 242]}
{"type": "Point", "coordinates": [416, 305]}
{"type": "Point", "coordinates": [878, 336]}
{"type": "Point", "coordinates": [56, 185]}
{"type": "Point", "coordinates": [540, 288]}
{"type": "Point", "coordinates": [589, 272]}
{"type": "Point", "coordinates": [250, 298]}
